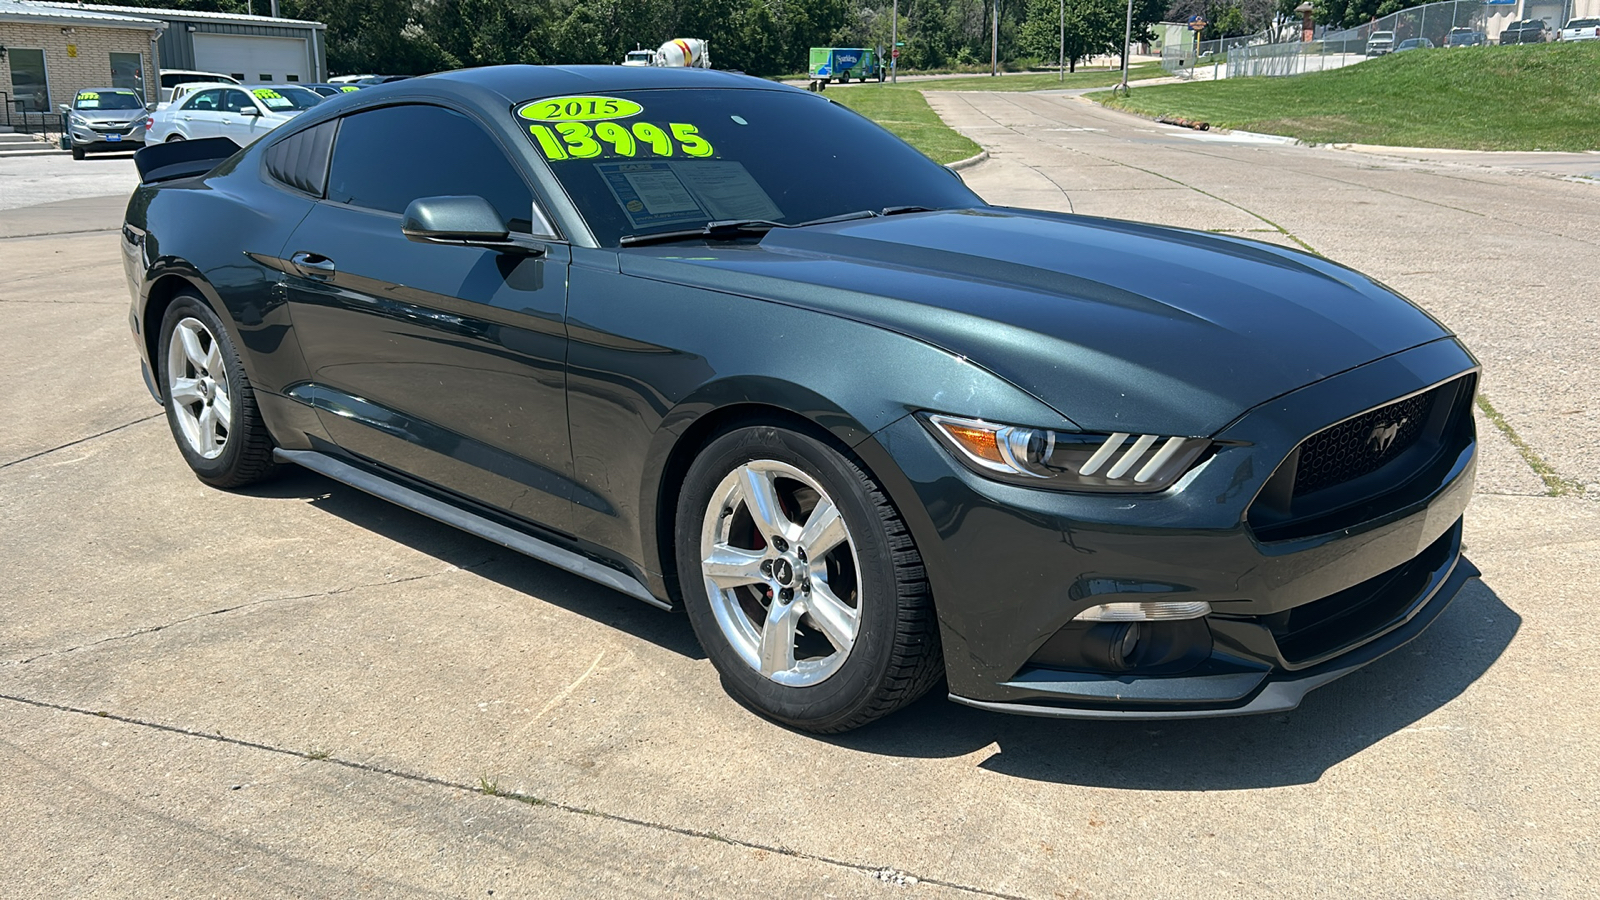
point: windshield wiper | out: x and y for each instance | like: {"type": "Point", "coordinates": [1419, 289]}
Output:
{"type": "Point", "coordinates": [726, 229]}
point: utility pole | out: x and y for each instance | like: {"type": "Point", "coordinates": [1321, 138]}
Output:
{"type": "Point", "coordinates": [894, 44]}
{"type": "Point", "coordinates": [1127, 38]}
{"type": "Point", "coordinates": [994, 44]}
{"type": "Point", "coordinates": [1061, 64]}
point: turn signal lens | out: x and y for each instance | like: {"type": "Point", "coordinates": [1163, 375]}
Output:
{"type": "Point", "coordinates": [1068, 461]}
{"type": "Point", "coordinates": [1145, 612]}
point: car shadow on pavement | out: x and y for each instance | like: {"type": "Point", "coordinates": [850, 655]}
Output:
{"type": "Point", "coordinates": [1333, 724]}
{"type": "Point", "coordinates": [485, 559]}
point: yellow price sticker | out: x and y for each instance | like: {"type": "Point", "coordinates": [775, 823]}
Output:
{"type": "Point", "coordinates": [88, 95]}
{"type": "Point", "coordinates": [579, 109]}
{"type": "Point", "coordinates": [349, 89]}
{"type": "Point", "coordinates": [268, 94]}
{"type": "Point", "coordinates": [614, 140]}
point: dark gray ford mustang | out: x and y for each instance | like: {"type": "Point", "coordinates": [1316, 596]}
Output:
{"type": "Point", "coordinates": [720, 343]}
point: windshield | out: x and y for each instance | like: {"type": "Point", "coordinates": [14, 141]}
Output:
{"type": "Point", "coordinates": [650, 161]}
{"type": "Point", "coordinates": [283, 98]}
{"type": "Point", "coordinates": [107, 100]}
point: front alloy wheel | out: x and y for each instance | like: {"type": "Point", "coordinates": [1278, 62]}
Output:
{"type": "Point", "coordinates": [802, 582]}
{"type": "Point", "coordinates": [780, 570]}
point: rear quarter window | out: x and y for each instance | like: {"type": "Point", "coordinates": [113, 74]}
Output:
{"type": "Point", "coordinates": [300, 161]}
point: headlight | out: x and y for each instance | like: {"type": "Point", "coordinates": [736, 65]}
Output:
{"type": "Point", "coordinates": [1068, 461]}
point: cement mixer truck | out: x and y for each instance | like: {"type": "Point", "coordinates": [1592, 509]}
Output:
{"type": "Point", "coordinates": [683, 53]}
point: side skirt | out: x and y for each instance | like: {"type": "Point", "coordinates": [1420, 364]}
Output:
{"type": "Point", "coordinates": [438, 510]}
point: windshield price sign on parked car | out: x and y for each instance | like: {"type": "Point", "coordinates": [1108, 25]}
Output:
{"type": "Point", "coordinates": [570, 136]}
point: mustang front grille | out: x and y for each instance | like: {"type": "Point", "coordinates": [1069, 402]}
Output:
{"type": "Point", "coordinates": [1362, 445]}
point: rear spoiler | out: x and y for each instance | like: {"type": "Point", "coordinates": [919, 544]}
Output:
{"type": "Point", "coordinates": [180, 159]}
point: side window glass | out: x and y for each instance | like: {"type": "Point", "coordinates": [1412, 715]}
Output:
{"type": "Point", "coordinates": [301, 160]}
{"type": "Point", "coordinates": [235, 101]}
{"type": "Point", "coordinates": [386, 158]}
{"type": "Point", "coordinates": [205, 101]}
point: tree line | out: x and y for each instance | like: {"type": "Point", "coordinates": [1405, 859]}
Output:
{"type": "Point", "coordinates": [761, 37]}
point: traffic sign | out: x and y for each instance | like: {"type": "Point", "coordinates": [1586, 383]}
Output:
{"type": "Point", "coordinates": [897, 53]}
{"type": "Point", "coordinates": [1197, 23]}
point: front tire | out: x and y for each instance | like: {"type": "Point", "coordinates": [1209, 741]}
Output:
{"type": "Point", "coordinates": [802, 582]}
{"type": "Point", "coordinates": [210, 405]}
{"type": "Point", "coordinates": [77, 152]}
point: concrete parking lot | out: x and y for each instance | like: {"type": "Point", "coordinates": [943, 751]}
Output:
{"type": "Point", "coordinates": [298, 690]}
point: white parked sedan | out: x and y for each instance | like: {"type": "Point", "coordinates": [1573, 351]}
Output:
{"type": "Point", "coordinates": [1581, 30]}
{"type": "Point", "coordinates": [242, 114]}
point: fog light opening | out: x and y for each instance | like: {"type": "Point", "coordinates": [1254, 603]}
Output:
{"type": "Point", "coordinates": [1126, 645]}
{"type": "Point", "coordinates": [1145, 612]}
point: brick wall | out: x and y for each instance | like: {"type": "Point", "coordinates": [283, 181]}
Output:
{"type": "Point", "coordinates": [68, 74]}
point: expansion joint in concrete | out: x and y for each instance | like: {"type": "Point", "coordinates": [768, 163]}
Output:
{"type": "Point", "coordinates": [489, 788]}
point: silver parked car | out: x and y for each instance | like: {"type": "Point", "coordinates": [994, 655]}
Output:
{"type": "Point", "coordinates": [243, 114]}
{"type": "Point", "coordinates": [105, 119]}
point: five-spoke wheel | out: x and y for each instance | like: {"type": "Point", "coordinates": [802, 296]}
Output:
{"type": "Point", "coordinates": [210, 405]}
{"type": "Point", "coordinates": [802, 582]}
{"type": "Point", "coordinates": [781, 572]}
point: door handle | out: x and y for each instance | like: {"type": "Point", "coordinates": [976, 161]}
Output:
{"type": "Point", "coordinates": [312, 265]}
{"type": "Point", "coordinates": [188, 118]}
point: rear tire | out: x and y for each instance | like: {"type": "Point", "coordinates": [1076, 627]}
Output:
{"type": "Point", "coordinates": [826, 624]}
{"type": "Point", "coordinates": [210, 405]}
{"type": "Point", "coordinates": [174, 137]}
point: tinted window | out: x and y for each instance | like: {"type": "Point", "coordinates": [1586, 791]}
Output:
{"type": "Point", "coordinates": [639, 162]}
{"type": "Point", "coordinates": [233, 101]}
{"type": "Point", "coordinates": [301, 160]}
{"type": "Point", "coordinates": [386, 158]}
{"type": "Point", "coordinates": [205, 101]}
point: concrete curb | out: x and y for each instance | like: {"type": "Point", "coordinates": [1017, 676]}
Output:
{"type": "Point", "coordinates": [967, 163]}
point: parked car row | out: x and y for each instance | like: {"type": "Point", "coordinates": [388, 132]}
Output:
{"type": "Point", "coordinates": [197, 105]}
{"type": "Point", "coordinates": [1524, 31]}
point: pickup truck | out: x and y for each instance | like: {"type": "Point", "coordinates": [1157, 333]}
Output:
{"type": "Point", "coordinates": [1527, 31]}
{"type": "Point", "coordinates": [1380, 42]}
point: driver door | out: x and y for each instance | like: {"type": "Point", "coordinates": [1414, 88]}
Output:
{"type": "Point", "coordinates": [445, 363]}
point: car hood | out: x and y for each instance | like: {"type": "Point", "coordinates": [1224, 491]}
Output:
{"type": "Point", "coordinates": [106, 116]}
{"type": "Point", "coordinates": [1117, 325]}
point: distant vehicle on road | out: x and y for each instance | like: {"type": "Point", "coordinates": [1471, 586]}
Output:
{"type": "Point", "coordinates": [1581, 30]}
{"type": "Point", "coordinates": [1414, 44]}
{"type": "Point", "coordinates": [1466, 37]}
{"type": "Point", "coordinates": [242, 114]}
{"type": "Point", "coordinates": [105, 119]}
{"type": "Point", "coordinates": [639, 57]}
{"type": "Point", "coordinates": [1380, 42]}
{"type": "Point", "coordinates": [171, 78]}
{"type": "Point", "coordinates": [840, 64]}
{"type": "Point", "coordinates": [1527, 31]}
{"type": "Point", "coordinates": [686, 53]}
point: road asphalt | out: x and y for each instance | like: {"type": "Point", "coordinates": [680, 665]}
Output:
{"type": "Point", "coordinates": [299, 690]}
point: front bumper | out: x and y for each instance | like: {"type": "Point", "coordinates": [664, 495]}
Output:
{"type": "Point", "coordinates": [1010, 567]}
{"type": "Point", "coordinates": [87, 139]}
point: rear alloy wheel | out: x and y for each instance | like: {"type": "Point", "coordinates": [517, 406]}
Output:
{"type": "Point", "coordinates": [802, 583]}
{"type": "Point", "coordinates": [210, 405]}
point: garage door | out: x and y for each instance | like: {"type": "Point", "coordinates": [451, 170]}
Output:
{"type": "Point", "coordinates": [250, 58]}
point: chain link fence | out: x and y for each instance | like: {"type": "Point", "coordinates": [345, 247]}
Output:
{"type": "Point", "coordinates": [1242, 57]}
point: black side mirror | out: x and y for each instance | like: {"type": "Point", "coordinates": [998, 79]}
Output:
{"type": "Point", "coordinates": [467, 221]}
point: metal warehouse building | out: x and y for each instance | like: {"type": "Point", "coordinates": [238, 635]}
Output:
{"type": "Point", "coordinates": [250, 48]}
{"type": "Point", "coordinates": [50, 51]}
